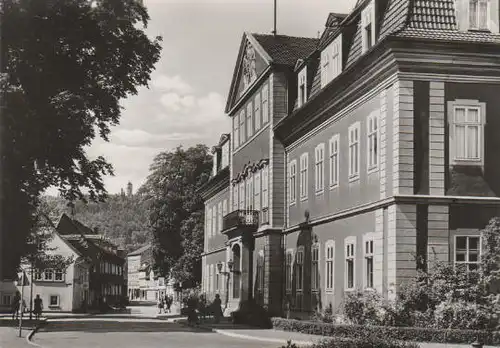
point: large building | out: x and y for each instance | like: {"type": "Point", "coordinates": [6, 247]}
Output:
{"type": "Point", "coordinates": [359, 157]}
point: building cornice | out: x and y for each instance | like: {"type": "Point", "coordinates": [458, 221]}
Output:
{"type": "Point", "coordinates": [215, 184]}
{"type": "Point", "coordinates": [213, 251]}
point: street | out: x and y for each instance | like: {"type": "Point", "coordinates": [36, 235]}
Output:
{"type": "Point", "coordinates": [125, 333]}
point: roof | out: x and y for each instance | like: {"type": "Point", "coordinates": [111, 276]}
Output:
{"type": "Point", "coordinates": [286, 50]}
{"type": "Point", "coordinates": [431, 14]}
{"type": "Point", "coordinates": [140, 250]}
{"type": "Point", "coordinates": [68, 226]}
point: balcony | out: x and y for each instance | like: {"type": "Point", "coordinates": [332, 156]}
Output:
{"type": "Point", "coordinates": [241, 219]}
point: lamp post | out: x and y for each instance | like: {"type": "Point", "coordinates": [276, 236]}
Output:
{"type": "Point", "coordinates": [228, 274]}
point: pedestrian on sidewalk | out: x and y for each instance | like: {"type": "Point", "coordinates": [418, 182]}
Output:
{"type": "Point", "coordinates": [38, 307]}
{"type": "Point", "coordinates": [161, 304]}
{"type": "Point", "coordinates": [15, 305]}
{"type": "Point", "coordinates": [217, 308]}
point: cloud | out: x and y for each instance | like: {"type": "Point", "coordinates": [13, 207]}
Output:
{"type": "Point", "coordinates": [176, 102]}
{"type": "Point", "coordinates": [175, 84]}
{"type": "Point", "coordinates": [142, 138]}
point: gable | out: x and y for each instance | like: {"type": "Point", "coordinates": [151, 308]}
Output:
{"type": "Point", "coordinates": [252, 61]}
{"type": "Point", "coordinates": [58, 246]}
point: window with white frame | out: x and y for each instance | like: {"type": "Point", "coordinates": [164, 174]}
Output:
{"type": "Point", "coordinates": [368, 261]}
{"type": "Point", "coordinates": [249, 120]}
{"type": "Point", "coordinates": [38, 275]}
{"type": "Point", "coordinates": [257, 114]}
{"type": "Point", "coordinates": [236, 132]}
{"type": "Point", "coordinates": [373, 136]}
{"type": "Point", "coordinates": [319, 168]}
{"type": "Point", "coordinates": [329, 264]}
{"type": "Point", "coordinates": [325, 67]}
{"type": "Point", "coordinates": [235, 197]}
{"type": "Point", "coordinates": [334, 160]}
{"type": "Point", "coordinates": [219, 215]}
{"type": "Point", "coordinates": [478, 14]}
{"type": "Point", "coordinates": [292, 177]}
{"type": "Point", "coordinates": [467, 122]}
{"type": "Point", "coordinates": [249, 193]}
{"type": "Point", "coordinates": [336, 49]}
{"type": "Point", "coordinates": [265, 104]}
{"type": "Point", "coordinates": [54, 301]}
{"type": "Point", "coordinates": [265, 187]}
{"type": "Point", "coordinates": [368, 26]}
{"type": "Point", "coordinates": [304, 164]}
{"type": "Point", "coordinates": [59, 275]}
{"type": "Point", "coordinates": [299, 269]}
{"type": "Point", "coordinates": [256, 189]}
{"type": "Point", "coordinates": [288, 270]}
{"type": "Point", "coordinates": [214, 220]}
{"type": "Point", "coordinates": [467, 252]}
{"type": "Point", "coordinates": [242, 127]}
{"type": "Point", "coordinates": [302, 85]}
{"type": "Point", "coordinates": [241, 205]}
{"type": "Point", "coordinates": [315, 267]}
{"type": "Point", "coordinates": [48, 275]}
{"type": "Point", "coordinates": [354, 151]}
{"type": "Point", "coordinates": [350, 257]}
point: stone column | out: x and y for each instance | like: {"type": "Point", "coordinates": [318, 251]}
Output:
{"type": "Point", "coordinates": [273, 277]}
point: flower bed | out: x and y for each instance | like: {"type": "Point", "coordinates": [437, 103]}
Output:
{"type": "Point", "coordinates": [386, 332]}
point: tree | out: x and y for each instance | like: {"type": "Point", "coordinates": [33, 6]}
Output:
{"type": "Point", "coordinates": [176, 211]}
{"type": "Point", "coordinates": [65, 66]}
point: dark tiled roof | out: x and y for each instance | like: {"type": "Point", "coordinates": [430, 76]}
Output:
{"type": "Point", "coordinates": [140, 250]}
{"type": "Point", "coordinates": [450, 35]}
{"type": "Point", "coordinates": [286, 50]}
{"type": "Point", "coordinates": [433, 14]}
{"type": "Point", "coordinates": [68, 226]}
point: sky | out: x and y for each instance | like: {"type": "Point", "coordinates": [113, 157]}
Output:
{"type": "Point", "coordinates": [184, 104]}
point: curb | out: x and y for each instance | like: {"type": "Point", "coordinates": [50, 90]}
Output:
{"type": "Point", "coordinates": [33, 332]}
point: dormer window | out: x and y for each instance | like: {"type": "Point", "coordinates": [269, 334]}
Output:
{"type": "Point", "coordinates": [478, 14]}
{"type": "Point", "coordinates": [368, 26]}
{"type": "Point", "coordinates": [331, 61]}
{"type": "Point", "coordinates": [302, 87]}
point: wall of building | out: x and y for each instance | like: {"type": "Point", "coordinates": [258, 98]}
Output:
{"type": "Point", "coordinates": [216, 239]}
{"type": "Point", "coordinates": [214, 282]}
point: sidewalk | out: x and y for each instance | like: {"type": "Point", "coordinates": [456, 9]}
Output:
{"type": "Point", "coordinates": [9, 337]}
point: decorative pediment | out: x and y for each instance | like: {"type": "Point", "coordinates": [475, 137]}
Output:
{"type": "Point", "coordinates": [251, 62]}
{"type": "Point", "coordinates": [248, 169]}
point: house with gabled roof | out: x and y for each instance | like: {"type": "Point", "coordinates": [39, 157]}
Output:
{"type": "Point", "coordinates": [356, 158]}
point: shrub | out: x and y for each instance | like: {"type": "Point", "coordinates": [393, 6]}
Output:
{"type": "Point", "coordinates": [363, 343]}
{"type": "Point", "coordinates": [363, 308]}
{"type": "Point", "coordinates": [415, 334]}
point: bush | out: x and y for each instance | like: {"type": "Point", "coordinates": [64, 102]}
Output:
{"type": "Point", "coordinates": [364, 308]}
{"type": "Point", "coordinates": [356, 343]}
{"type": "Point", "coordinates": [415, 334]}
{"type": "Point", "coordinates": [251, 313]}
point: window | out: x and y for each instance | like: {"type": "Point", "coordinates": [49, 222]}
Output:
{"type": "Point", "coordinates": [350, 255]}
{"type": "Point", "coordinates": [334, 160]}
{"type": "Point", "coordinates": [214, 220]}
{"type": "Point", "coordinates": [299, 269]}
{"type": "Point", "coordinates": [336, 49]}
{"type": "Point", "coordinates": [256, 189]}
{"type": "Point", "coordinates": [325, 67]}
{"type": "Point", "coordinates": [54, 301]}
{"type": "Point", "coordinates": [235, 197]}
{"type": "Point", "coordinates": [209, 222]}
{"type": "Point", "coordinates": [38, 275]}
{"type": "Point", "coordinates": [304, 159]}
{"type": "Point", "coordinates": [319, 172]}
{"type": "Point", "coordinates": [265, 105]}
{"type": "Point", "coordinates": [354, 151]}
{"type": "Point", "coordinates": [292, 175]}
{"type": "Point", "coordinates": [260, 273]}
{"type": "Point", "coordinates": [257, 112]}
{"type": "Point", "coordinates": [467, 252]}
{"type": "Point", "coordinates": [368, 267]}
{"type": "Point", "coordinates": [372, 130]}
{"type": "Point", "coordinates": [302, 87]}
{"type": "Point", "coordinates": [315, 267]}
{"type": "Point", "coordinates": [48, 274]}
{"type": "Point", "coordinates": [219, 211]}
{"type": "Point", "coordinates": [217, 279]}
{"type": "Point", "coordinates": [478, 14]}
{"type": "Point", "coordinates": [249, 193]}
{"type": "Point", "coordinates": [466, 135]}
{"type": "Point", "coordinates": [329, 264]}
{"type": "Point", "coordinates": [236, 133]}
{"type": "Point", "coordinates": [288, 270]}
{"type": "Point", "coordinates": [249, 120]}
{"type": "Point", "coordinates": [58, 275]}
{"type": "Point", "coordinates": [241, 205]}
{"type": "Point", "coordinates": [242, 127]}
{"type": "Point", "coordinates": [265, 187]}
{"type": "Point", "coordinates": [367, 22]}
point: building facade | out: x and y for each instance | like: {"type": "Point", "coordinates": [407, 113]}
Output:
{"type": "Point", "coordinates": [363, 156]}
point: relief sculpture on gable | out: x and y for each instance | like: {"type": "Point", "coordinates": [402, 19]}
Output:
{"type": "Point", "coordinates": [249, 69]}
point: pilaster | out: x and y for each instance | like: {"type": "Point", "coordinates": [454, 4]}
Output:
{"type": "Point", "coordinates": [378, 246]}
{"type": "Point", "coordinates": [383, 141]}
{"type": "Point", "coordinates": [436, 138]}
{"type": "Point", "coordinates": [438, 233]}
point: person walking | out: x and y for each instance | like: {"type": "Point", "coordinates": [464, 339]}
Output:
{"type": "Point", "coordinates": [168, 303]}
{"type": "Point", "coordinates": [38, 307]}
{"type": "Point", "coordinates": [15, 305]}
{"type": "Point", "coordinates": [217, 308]}
{"type": "Point", "coordinates": [160, 305]}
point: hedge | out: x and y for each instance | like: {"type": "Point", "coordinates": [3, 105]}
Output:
{"type": "Point", "coordinates": [415, 334]}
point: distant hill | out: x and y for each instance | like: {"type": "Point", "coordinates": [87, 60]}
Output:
{"type": "Point", "coordinates": [122, 218]}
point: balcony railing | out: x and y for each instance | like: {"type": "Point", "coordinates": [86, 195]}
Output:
{"type": "Point", "coordinates": [241, 218]}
